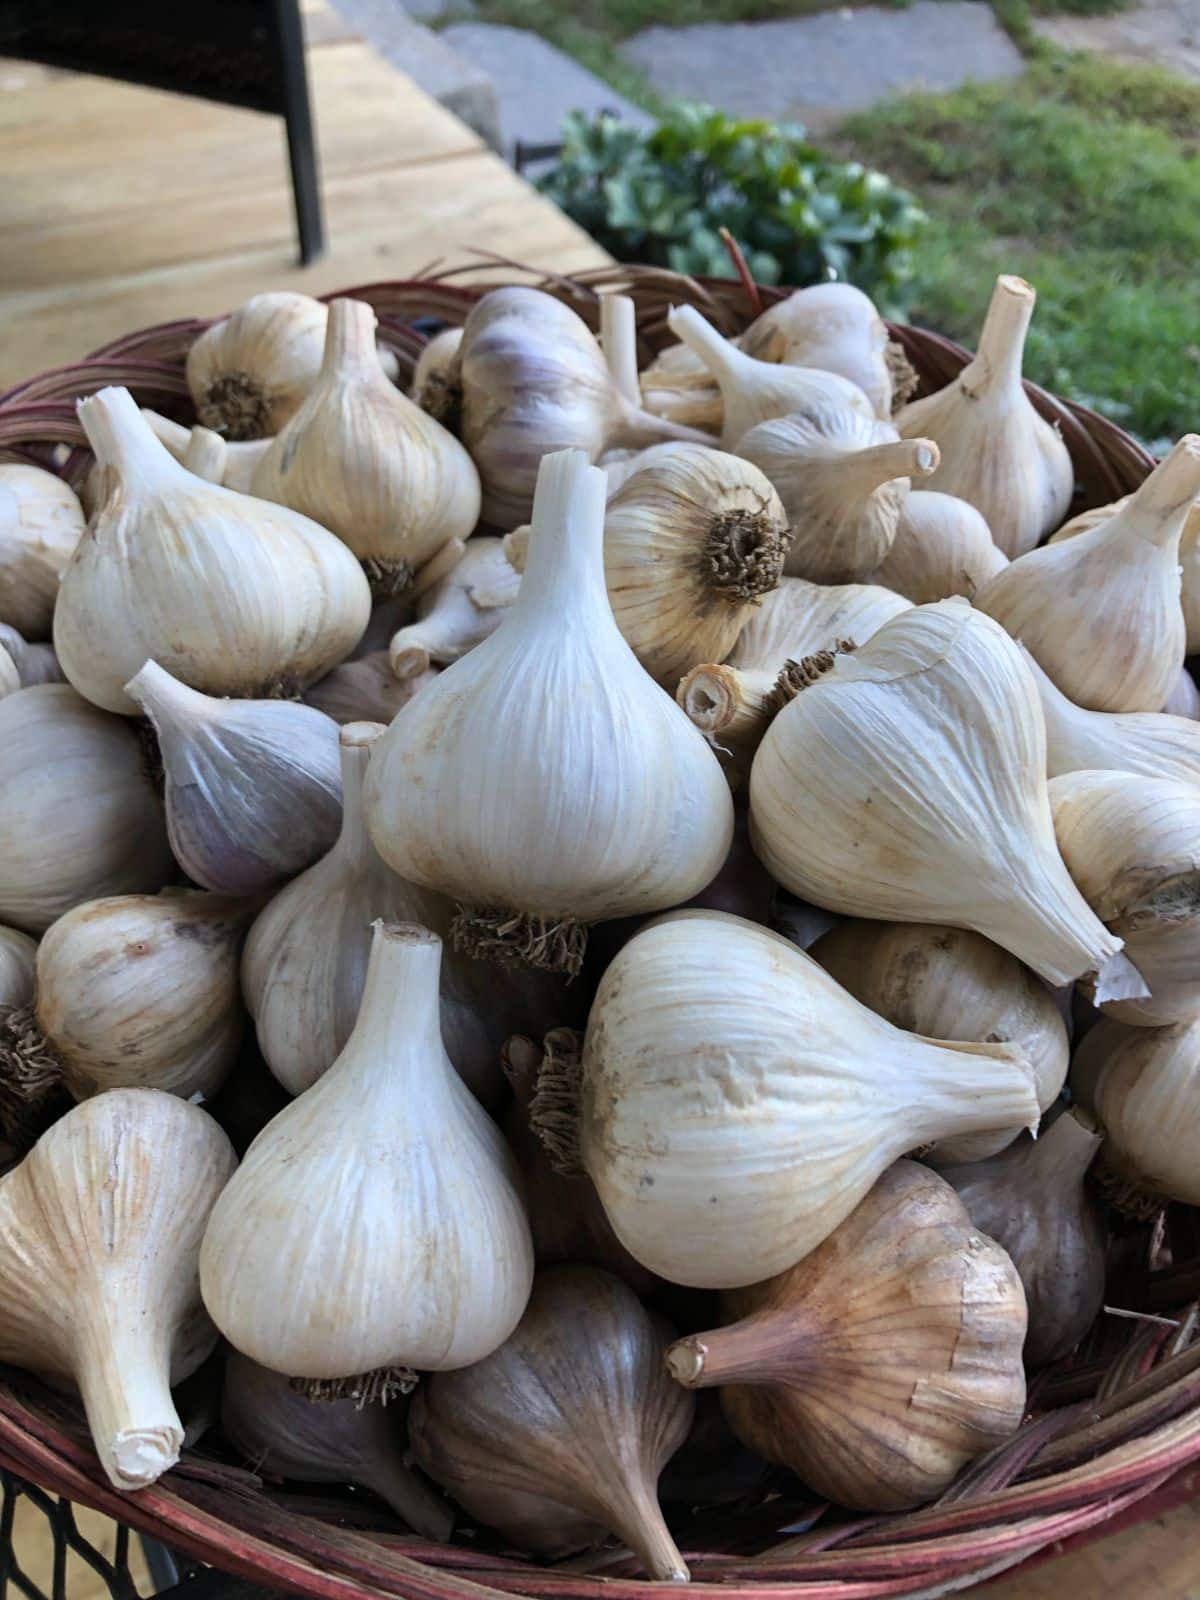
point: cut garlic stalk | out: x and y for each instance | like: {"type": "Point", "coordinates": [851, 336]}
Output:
{"type": "Point", "coordinates": [460, 611]}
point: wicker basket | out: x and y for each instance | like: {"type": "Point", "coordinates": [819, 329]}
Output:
{"type": "Point", "coordinates": [1112, 1433]}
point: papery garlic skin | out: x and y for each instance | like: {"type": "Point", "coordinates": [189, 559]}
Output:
{"type": "Point", "coordinates": [79, 817]}
{"type": "Point", "coordinates": [34, 663]}
{"type": "Point", "coordinates": [253, 787]}
{"type": "Point", "coordinates": [942, 547]}
{"type": "Point", "coordinates": [18, 960]}
{"type": "Point", "coordinates": [41, 522]}
{"type": "Point", "coordinates": [924, 756]}
{"type": "Point", "coordinates": [365, 690]}
{"type": "Point", "coordinates": [100, 1230]}
{"type": "Point", "coordinates": [462, 610]}
{"type": "Point", "coordinates": [737, 1104]}
{"type": "Point", "coordinates": [803, 1382]}
{"type": "Point", "coordinates": [317, 1260]}
{"type": "Point", "coordinates": [947, 983]}
{"type": "Point", "coordinates": [833, 326]}
{"type": "Point", "coordinates": [998, 454]}
{"type": "Point", "coordinates": [1101, 613]}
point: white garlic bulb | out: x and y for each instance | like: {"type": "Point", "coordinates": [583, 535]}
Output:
{"type": "Point", "coordinates": [942, 547]}
{"type": "Point", "coordinates": [458, 612]}
{"type": "Point", "coordinates": [543, 780]}
{"type": "Point", "coordinates": [737, 1104]}
{"type": "Point", "coordinates": [924, 757]}
{"type": "Point", "coordinates": [833, 326]}
{"type": "Point", "coordinates": [100, 1230]}
{"type": "Point", "coordinates": [253, 787]}
{"type": "Point", "coordinates": [18, 960]}
{"type": "Point", "coordinates": [1130, 843]}
{"type": "Point", "coordinates": [78, 813]}
{"type": "Point", "coordinates": [998, 454]}
{"type": "Point", "coordinates": [843, 479]}
{"type": "Point", "coordinates": [424, 1259]}
{"type": "Point", "coordinates": [34, 663]}
{"type": "Point", "coordinates": [231, 594]}
{"type": "Point", "coordinates": [365, 690]}
{"type": "Point", "coordinates": [41, 522]}
{"type": "Point", "coordinates": [1184, 698]}
{"type": "Point", "coordinates": [364, 461]}
{"type": "Point", "coordinates": [435, 386]}
{"type": "Point", "coordinates": [755, 391]}
{"type": "Point", "coordinates": [1101, 612]}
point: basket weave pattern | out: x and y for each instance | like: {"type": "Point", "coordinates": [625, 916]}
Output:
{"type": "Point", "coordinates": [1114, 1429]}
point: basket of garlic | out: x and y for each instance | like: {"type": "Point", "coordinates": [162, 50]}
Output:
{"type": "Point", "coordinates": [527, 987]}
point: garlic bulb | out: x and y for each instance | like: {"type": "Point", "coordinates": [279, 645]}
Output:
{"type": "Point", "coordinates": [41, 522]}
{"type": "Point", "coordinates": [306, 958]}
{"type": "Point", "coordinates": [1101, 612]}
{"type": "Point", "coordinates": [234, 467]}
{"type": "Point", "coordinates": [755, 391]}
{"type": "Point", "coordinates": [365, 690]}
{"type": "Point", "coordinates": [320, 1277]}
{"type": "Point", "coordinates": [730, 1125]}
{"type": "Point", "coordinates": [367, 463]}
{"type": "Point", "coordinates": [1131, 844]}
{"type": "Point", "coordinates": [558, 1438]}
{"type": "Point", "coordinates": [78, 813]}
{"type": "Point", "coordinates": [231, 594]}
{"type": "Point", "coordinates": [805, 1381]}
{"type": "Point", "coordinates": [34, 663]}
{"type": "Point", "coordinates": [100, 1229]}
{"type": "Point", "coordinates": [10, 678]}
{"type": "Point", "coordinates": [946, 983]}
{"type": "Point", "coordinates": [459, 612]}
{"type": "Point", "coordinates": [997, 453]}
{"type": "Point", "coordinates": [924, 756]}
{"type": "Point", "coordinates": [1184, 698]}
{"type": "Point", "coordinates": [543, 780]}
{"type": "Point", "coordinates": [691, 541]}
{"type": "Point", "coordinates": [535, 382]}
{"type": "Point", "coordinates": [283, 1434]}
{"type": "Point", "coordinates": [843, 480]}
{"type": "Point", "coordinates": [253, 788]}
{"type": "Point", "coordinates": [942, 547]}
{"type": "Point", "coordinates": [833, 326]}
{"type": "Point", "coordinates": [677, 385]}
{"type": "Point", "coordinates": [136, 991]}
{"type": "Point", "coordinates": [1031, 1199]}
{"type": "Point", "coordinates": [435, 385]}
{"type": "Point", "coordinates": [18, 958]}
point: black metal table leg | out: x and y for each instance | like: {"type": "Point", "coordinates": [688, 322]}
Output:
{"type": "Point", "coordinates": [297, 110]}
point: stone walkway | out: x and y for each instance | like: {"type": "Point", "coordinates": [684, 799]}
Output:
{"type": "Point", "coordinates": [1166, 32]}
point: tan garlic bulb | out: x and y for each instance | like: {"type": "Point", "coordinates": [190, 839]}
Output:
{"type": "Point", "coordinates": [231, 594]}
{"type": "Point", "coordinates": [998, 454]}
{"type": "Point", "coordinates": [543, 781]}
{"type": "Point", "coordinates": [833, 326]}
{"type": "Point", "coordinates": [320, 1277]}
{"type": "Point", "coordinates": [677, 385]}
{"type": "Point", "coordinates": [460, 611]}
{"type": "Point", "coordinates": [34, 663]}
{"type": "Point", "coordinates": [253, 787]}
{"type": "Point", "coordinates": [41, 522]}
{"type": "Point", "coordinates": [435, 383]}
{"type": "Point", "coordinates": [1101, 612]}
{"type": "Point", "coordinates": [282, 1434]}
{"type": "Point", "coordinates": [78, 813]}
{"type": "Point", "coordinates": [534, 382]}
{"type": "Point", "coordinates": [364, 461]}
{"type": "Point", "coordinates": [365, 690]}
{"type": "Point", "coordinates": [1032, 1200]}
{"type": "Point", "coordinates": [1184, 698]}
{"type": "Point", "coordinates": [755, 391]}
{"type": "Point", "coordinates": [1130, 843]}
{"type": "Point", "coordinates": [805, 1381]}
{"type": "Point", "coordinates": [135, 991]}
{"type": "Point", "coordinates": [691, 541]}
{"type": "Point", "coordinates": [942, 547]}
{"type": "Point", "coordinates": [18, 960]}
{"type": "Point", "coordinates": [947, 983]}
{"type": "Point", "coordinates": [100, 1230]}
{"type": "Point", "coordinates": [924, 755]}
{"type": "Point", "coordinates": [558, 1438]}
{"type": "Point", "coordinates": [762, 1106]}
{"type": "Point", "coordinates": [843, 479]}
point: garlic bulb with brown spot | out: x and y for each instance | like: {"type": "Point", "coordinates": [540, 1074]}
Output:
{"type": "Point", "coordinates": [947, 983]}
{"type": "Point", "coordinates": [1132, 844]}
{"type": "Point", "coordinates": [253, 787]}
{"type": "Point", "coordinates": [942, 547]}
{"type": "Point", "coordinates": [458, 612]}
{"type": "Point", "coordinates": [998, 454]}
{"type": "Point", "coordinates": [923, 754]}
{"type": "Point", "coordinates": [558, 1438]}
{"type": "Point", "coordinates": [833, 326]}
{"type": "Point", "coordinates": [364, 461]}
{"type": "Point", "coordinates": [79, 817]}
{"type": "Point", "coordinates": [1101, 612]}
{"type": "Point", "coordinates": [435, 385]}
{"type": "Point", "coordinates": [34, 663]}
{"type": "Point", "coordinates": [1033, 1201]}
{"type": "Point", "coordinates": [236, 469]}
{"type": "Point", "coordinates": [100, 1230]}
{"type": "Point", "coordinates": [843, 479]}
{"type": "Point", "coordinates": [366, 690]}
{"type": "Point", "coordinates": [41, 522]}
{"type": "Point", "coordinates": [885, 1361]}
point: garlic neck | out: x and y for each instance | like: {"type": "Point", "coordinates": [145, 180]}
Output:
{"type": "Point", "coordinates": [1065, 1150]}
{"type": "Point", "coordinates": [123, 1373]}
{"type": "Point", "coordinates": [996, 368]}
{"type": "Point", "coordinates": [398, 1029]}
{"type": "Point", "coordinates": [724, 360]}
{"type": "Point", "coordinates": [859, 473]}
{"type": "Point", "coordinates": [350, 342]}
{"type": "Point", "coordinates": [725, 699]}
{"type": "Point", "coordinates": [205, 454]}
{"type": "Point", "coordinates": [564, 562]}
{"type": "Point", "coordinates": [968, 1088]}
{"type": "Point", "coordinates": [121, 437]}
{"type": "Point", "coordinates": [618, 341]}
{"type": "Point", "coordinates": [768, 1347]}
{"type": "Point", "coordinates": [635, 1517]}
{"type": "Point", "coordinates": [355, 740]}
{"type": "Point", "coordinates": [1158, 510]}
{"type": "Point", "coordinates": [165, 699]}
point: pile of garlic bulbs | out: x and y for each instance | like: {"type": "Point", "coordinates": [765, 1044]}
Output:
{"type": "Point", "coordinates": [626, 861]}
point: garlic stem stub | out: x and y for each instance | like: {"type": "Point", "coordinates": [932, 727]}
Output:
{"type": "Point", "coordinates": [543, 781]}
{"type": "Point", "coordinates": [457, 612]}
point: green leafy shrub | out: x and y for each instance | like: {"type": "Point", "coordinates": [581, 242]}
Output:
{"type": "Point", "coordinates": [662, 195]}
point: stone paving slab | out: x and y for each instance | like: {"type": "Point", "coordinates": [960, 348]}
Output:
{"type": "Point", "coordinates": [1163, 31]}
